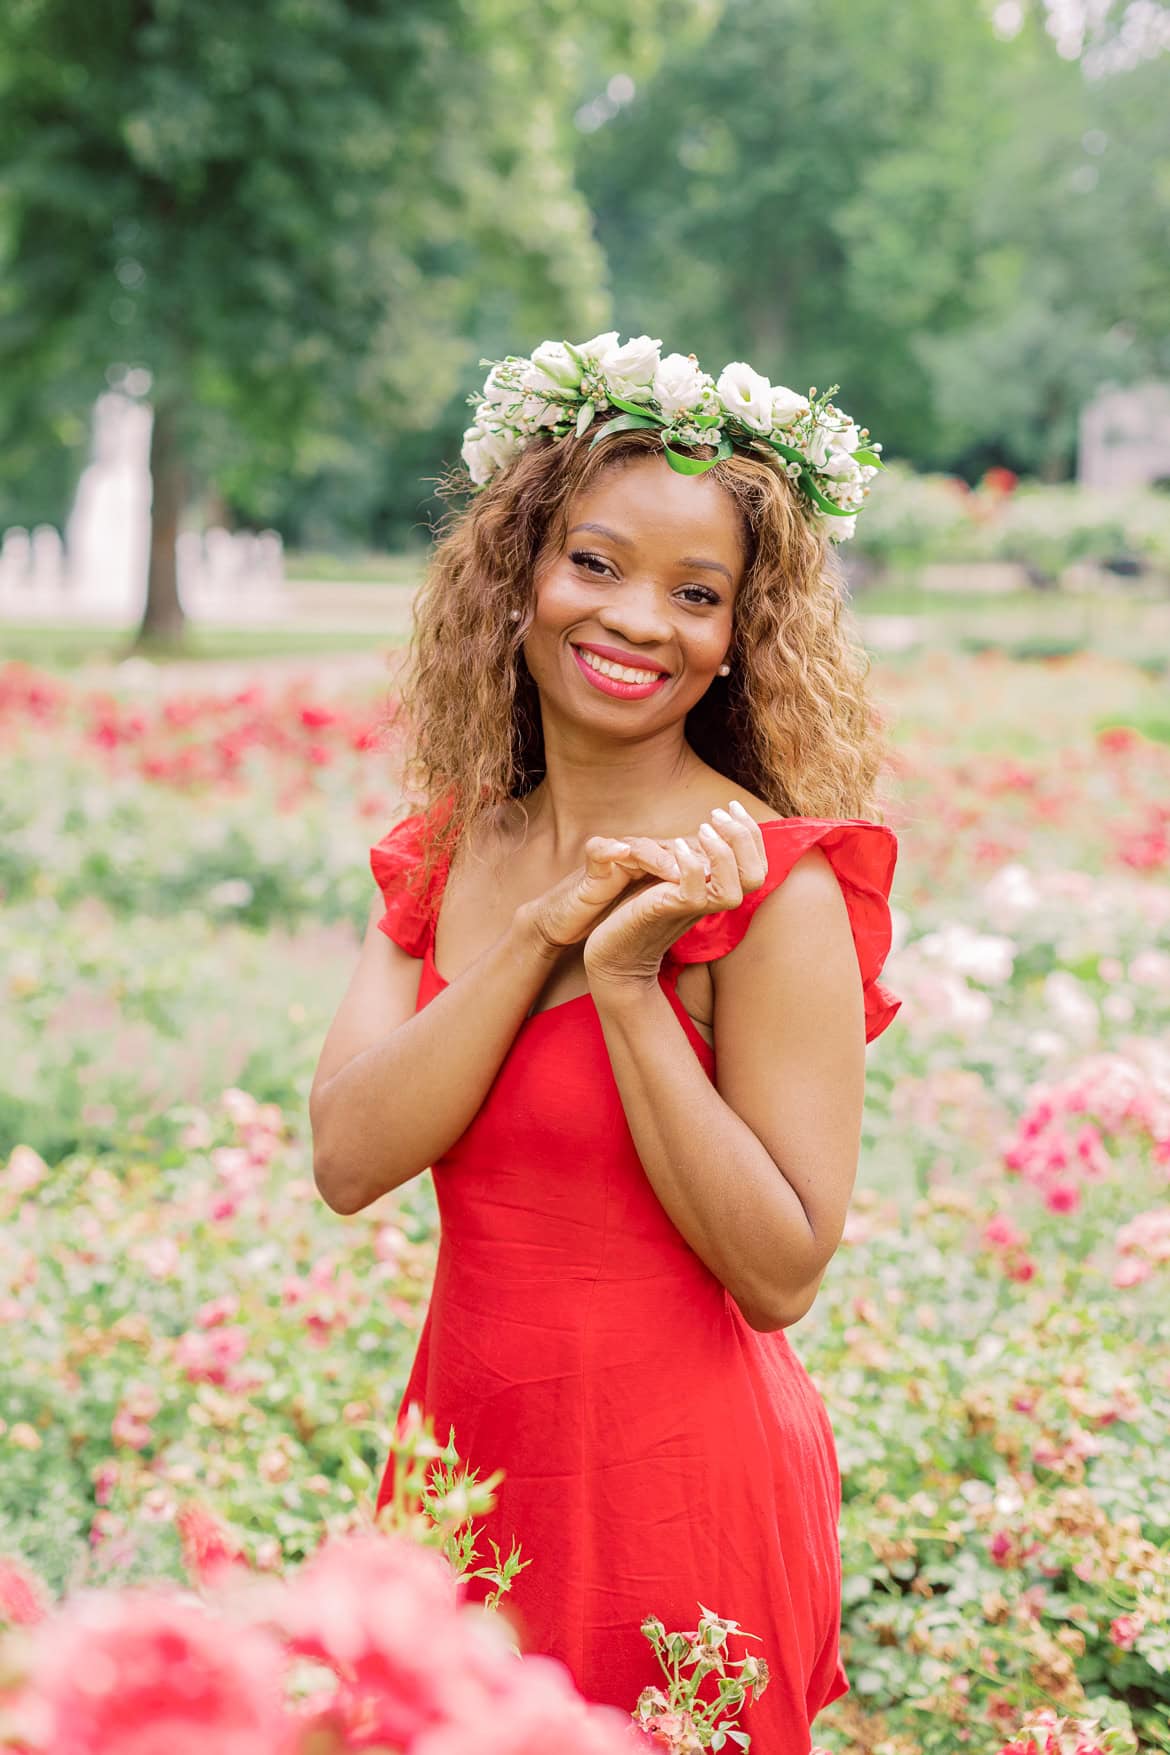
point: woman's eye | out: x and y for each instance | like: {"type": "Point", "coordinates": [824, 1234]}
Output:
{"type": "Point", "coordinates": [594, 563]}
{"type": "Point", "coordinates": [706, 595]}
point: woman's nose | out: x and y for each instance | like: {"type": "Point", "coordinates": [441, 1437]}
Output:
{"type": "Point", "coordinates": [637, 614]}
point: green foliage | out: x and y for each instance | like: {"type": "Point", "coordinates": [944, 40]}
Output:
{"type": "Point", "coordinates": [962, 230]}
{"type": "Point", "coordinates": [284, 216]}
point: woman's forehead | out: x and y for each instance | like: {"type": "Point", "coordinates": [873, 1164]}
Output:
{"type": "Point", "coordinates": [648, 501]}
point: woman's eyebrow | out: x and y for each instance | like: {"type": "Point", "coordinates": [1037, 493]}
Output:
{"type": "Point", "coordinates": [624, 541]}
{"type": "Point", "coordinates": [603, 530]}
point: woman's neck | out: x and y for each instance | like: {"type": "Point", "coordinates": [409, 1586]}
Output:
{"type": "Point", "coordinates": [638, 788]}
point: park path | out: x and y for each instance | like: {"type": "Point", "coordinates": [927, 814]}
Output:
{"type": "Point", "coordinates": [328, 672]}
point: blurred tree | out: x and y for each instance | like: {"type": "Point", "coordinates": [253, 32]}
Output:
{"type": "Point", "coordinates": [957, 226]}
{"type": "Point", "coordinates": [284, 215]}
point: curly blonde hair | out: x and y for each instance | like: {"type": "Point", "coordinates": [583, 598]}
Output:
{"type": "Point", "coordinates": [791, 723]}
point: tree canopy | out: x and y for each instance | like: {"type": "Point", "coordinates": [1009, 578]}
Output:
{"type": "Point", "coordinates": [303, 225]}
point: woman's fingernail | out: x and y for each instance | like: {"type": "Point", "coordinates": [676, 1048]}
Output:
{"type": "Point", "coordinates": [738, 808]}
{"type": "Point", "coordinates": [721, 813]}
{"type": "Point", "coordinates": [706, 829]}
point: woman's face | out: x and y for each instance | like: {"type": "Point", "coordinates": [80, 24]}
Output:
{"type": "Point", "coordinates": [644, 583]}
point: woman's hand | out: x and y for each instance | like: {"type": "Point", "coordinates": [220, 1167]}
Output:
{"type": "Point", "coordinates": [566, 913]}
{"type": "Point", "coordinates": [630, 943]}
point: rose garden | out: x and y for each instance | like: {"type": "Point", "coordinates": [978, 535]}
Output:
{"type": "Point", "coordinates": [202, 1363]}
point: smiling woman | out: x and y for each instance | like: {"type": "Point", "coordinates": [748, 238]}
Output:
{"type": "Point", "coordinates": [615, 993]}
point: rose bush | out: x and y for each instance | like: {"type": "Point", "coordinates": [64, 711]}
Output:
{"type": "Point", "coordinates": [202, 1363]}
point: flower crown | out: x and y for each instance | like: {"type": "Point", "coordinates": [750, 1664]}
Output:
{"type": "Point", "coordinates": [564, 386]}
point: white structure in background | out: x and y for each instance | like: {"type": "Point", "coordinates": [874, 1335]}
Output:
{"type": "Point", "coordinates": [1125, 437]}
{"type": "Point", "coordinates": [99, 573]}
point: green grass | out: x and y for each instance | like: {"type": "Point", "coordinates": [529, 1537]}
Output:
{"type": "Point", "coordinates": [355, 569]}
{"type": "Point", "coordinates": [65, 648]}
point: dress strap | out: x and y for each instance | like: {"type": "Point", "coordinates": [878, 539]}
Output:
{"type": "Point", "coordinates": [396, 861]}
{"type": "Point", "coordinates": [863, 855]}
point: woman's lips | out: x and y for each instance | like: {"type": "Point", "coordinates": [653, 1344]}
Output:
{"type": "Point", "coordinates": [609, 685]}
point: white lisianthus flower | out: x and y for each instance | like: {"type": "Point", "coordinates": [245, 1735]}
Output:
{"type": "Point", "coordinates": [849, 439]}
{"type": "Point", "coordinates": [679, 386]}
{"type": "Point", "coordinates": [818, 445]}
{"type": "Point", "coordinates": [841, 467]}
{"type": "Point", "coordinates": [787, 406]}
{"type": "Point", "coordinates": [535, 413]}
{"type": "Point", "coordinates": [552, 368]}
{"type": "Point", "coordinates": [746, 395]}
{"type": "Point", "coordinates": [631, 368]}
{"type": "Point", "coordinates": [594, 350]}
{"type": "Point", "coordinates": [486, 449]}
{"type": "Point", "coordinates": [682, 434]}
{"type": "Point", "coordinates": [499, 387]}
{"type": "Point", "coordinates": [842, 528]}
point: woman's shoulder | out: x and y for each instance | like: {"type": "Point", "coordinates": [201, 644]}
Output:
{"type": "Point", "coordinates": [399, 866]}
{"type": "Point", "coordinates": [860, 854]}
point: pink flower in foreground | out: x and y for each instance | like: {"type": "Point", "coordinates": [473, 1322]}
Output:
{"type": "Point", "coordinates": [380, 1612]}
{"type": "Point", "coordinates": [23, 1598]}
{"type": "Point", "coordinates": [536, 1709]}
{"type": "Point", "coordinates": [149, 1673]}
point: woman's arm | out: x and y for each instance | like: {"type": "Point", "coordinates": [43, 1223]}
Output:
{"type": "Point", "coordinates": [756, 1172]}
{"type": "Point", "coordinates": [396, 1087]}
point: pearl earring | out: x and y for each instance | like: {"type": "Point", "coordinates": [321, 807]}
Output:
{"type": "Point", "coordinates": [513, 615]}
{"type": "Point", "coordinates": [725, 670]}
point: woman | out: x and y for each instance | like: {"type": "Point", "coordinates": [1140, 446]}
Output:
{"type": "Point", "coordinates": [616, 990]}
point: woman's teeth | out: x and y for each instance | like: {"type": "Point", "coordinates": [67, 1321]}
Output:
{"type": "Point", "coordinates": [620, 672]}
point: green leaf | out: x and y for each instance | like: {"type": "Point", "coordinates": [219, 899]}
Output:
{"type": "Point", "coordinates": [634, 408]}
{"type": "Point", "coordinates": [787, 451]}
{"type": "Point", "coordinates": [868, 457]}
{"type": "Point", "coordinates": [818, 499]}
{"type": "Point", "coordinates": [705, 420]}
{"type": "Point", "coordinates": [585, 417]}
{"type": "Point", "coordinates": [622, 423]}
{"type": "Point", "coordinates": [696, 465]}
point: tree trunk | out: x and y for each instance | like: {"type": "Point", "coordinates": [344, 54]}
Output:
{"type": "Point", "coordinates": [163, 620]}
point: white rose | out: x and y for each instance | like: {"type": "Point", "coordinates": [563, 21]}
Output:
{"type": "Point", "coordinates": [849, 439]}
{"type": "Point", "coordinates": [679, 385]}
{"type": "Point", "coordinates": [630, 368]}
{"type": "Point", "coordinates": [486, 449]}
{"type": "Point", "coordinates": [746, 395]}
{"type": "Point", "coordinates": [787, 406]}
{"type": "Point", "coordinates": [552, 368]}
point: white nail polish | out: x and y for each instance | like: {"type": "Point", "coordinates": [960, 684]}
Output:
{"type": "Point", "coordinates": [721, 813]}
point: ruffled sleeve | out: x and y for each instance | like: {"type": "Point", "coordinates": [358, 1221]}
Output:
{"type": "Point", "coordinates": [863, 856]}
{"type": "Point", "coordinates": [396, 862]}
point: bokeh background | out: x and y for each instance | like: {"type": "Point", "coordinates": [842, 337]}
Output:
{"type": "Point", "coordinates": [252, 261]}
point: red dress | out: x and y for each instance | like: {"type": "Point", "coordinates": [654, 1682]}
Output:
{"type": "Point", "coordinates": [659, 1452]}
